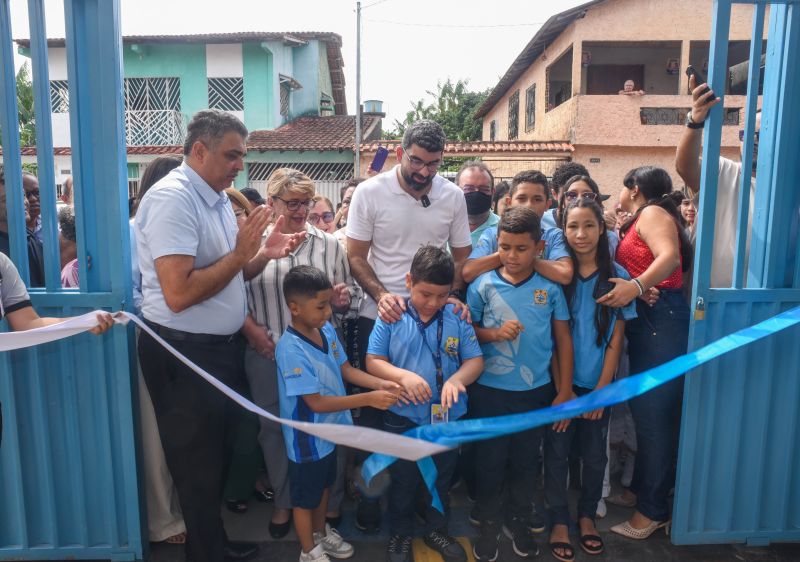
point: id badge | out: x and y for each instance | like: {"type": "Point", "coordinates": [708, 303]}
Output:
{"type": "Point", "coordinates": [439, 414]}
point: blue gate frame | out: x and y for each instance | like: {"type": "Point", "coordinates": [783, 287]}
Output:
{"type": "Point", "coordinates": [738, 476]}
{"type": "Point", "coordinates": [68, 460]}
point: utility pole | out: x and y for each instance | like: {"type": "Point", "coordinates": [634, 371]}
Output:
{"type": "Point", "coordinates": [357, 163]}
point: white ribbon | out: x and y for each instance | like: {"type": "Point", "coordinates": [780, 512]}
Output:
{"type": "Point", "coordinates": [364, 438]}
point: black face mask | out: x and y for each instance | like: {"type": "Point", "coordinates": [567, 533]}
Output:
{"type": "Point", "coordinates": [478, 202]}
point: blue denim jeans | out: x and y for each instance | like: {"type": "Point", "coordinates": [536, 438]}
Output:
{"type": "Point", "coordinates": [591, 436]}
{"type": "Point", "coordinates": [406, 481]}
{"type": "Point", "coordinates": [660, 333]}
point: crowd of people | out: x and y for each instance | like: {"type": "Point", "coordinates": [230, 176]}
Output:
{"type": "Point", "coordinates": [418, 301]}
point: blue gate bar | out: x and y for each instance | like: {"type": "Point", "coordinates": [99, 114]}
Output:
{"type": "Point", "coordinates": [12, 161]}
{"type": "Point", "coordinates": [742, 231]}
{"type": "Point", "coordinates": [44, 144]}
{"type": "Point", "coordinates": [717, 65]}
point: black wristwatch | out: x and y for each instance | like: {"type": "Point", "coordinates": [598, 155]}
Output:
{"type": "Point", "coordinates": [691, 124]}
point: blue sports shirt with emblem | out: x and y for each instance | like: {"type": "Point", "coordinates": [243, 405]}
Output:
{"type": "Point", "coordinates": [306, 368]}
{"type": "Point", "coordinates": [404, 347]}
{"type": "Point", "coordinates": [524, 363]}
{"type": "Point", "coordinates": [554, 245]}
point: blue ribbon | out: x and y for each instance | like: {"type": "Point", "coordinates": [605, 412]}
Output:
{"type": "Point", "coordinates": [454, 433]}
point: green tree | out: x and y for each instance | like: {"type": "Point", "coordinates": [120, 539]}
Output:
{"type": "Point", "coordinates": [453, 107]}
{"type": "Point", "coordinates": [27, 119]}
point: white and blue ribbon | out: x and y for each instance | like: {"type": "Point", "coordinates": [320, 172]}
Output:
{"type": "Point", "coordinates": [455, 433]}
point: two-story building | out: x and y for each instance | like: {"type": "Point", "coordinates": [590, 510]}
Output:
{"type": "Point", "coordinates": [565, 83]}
{"type": "Point", "coordinates": [265, 79]}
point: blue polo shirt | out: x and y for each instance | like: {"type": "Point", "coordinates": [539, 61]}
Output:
{"type": "Point", "coordinates": [403, 344]}
{"type": "Point", "coordinates": [589, 356]}
{"type": "Point", "coordinates": [490, 222]}
{"type": "Point", "coordinates": [524, 363]}
{"type": "Point", "coordinates": [182, 215]}
{"type": "Point", "coordinates": [555, 247]}
{"type": "Point", "coordinates": [306, 368]}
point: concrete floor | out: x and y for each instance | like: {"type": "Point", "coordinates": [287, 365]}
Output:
{"type": "Point", "coordinates": [252, 526]}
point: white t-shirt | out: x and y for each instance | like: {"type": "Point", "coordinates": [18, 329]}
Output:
{"type": "Point", "coordinates": [398, 225]}
{"type": "Point", "coordinates": [725, 222]}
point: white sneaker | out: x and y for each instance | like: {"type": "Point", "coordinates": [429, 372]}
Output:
{"type": "Point", "coordinates": [317, 554]}
{"type": "Point", "coordinates": [333, 543]}
{"type": "Point", "coordinates": [602, 510]}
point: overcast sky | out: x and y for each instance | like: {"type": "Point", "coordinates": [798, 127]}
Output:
{"type": "Point", "coordinates": [407, 45]}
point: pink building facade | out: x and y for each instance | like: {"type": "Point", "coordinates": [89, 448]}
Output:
{"type": "Point", "coordinates": [564, 85]}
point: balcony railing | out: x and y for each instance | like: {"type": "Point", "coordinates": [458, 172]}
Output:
{"type": "Point", "coordinates": [158, 127]}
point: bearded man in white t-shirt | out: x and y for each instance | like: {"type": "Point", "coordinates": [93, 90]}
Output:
{"type": "Point", "coordinates": [688, 166]}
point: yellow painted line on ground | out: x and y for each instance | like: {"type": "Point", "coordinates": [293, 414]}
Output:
{"type": "Point", "coordinates": [424, 554]}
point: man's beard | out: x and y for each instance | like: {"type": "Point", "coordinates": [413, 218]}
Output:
{"type": "Point", "coordinates": [414, 184]}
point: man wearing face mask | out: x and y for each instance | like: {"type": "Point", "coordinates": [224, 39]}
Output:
{"type": "Point", "coordinates": [477, 182]}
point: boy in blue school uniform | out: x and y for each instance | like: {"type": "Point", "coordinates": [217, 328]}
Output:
{"type": "Point", "coordinates": [517, 314]}
{"type": "Point", "coordinates": [434, 355]}
{"type": "Point", "coordinates": [311, 365]}
{"type": "Point", "coordinates": [528, 189]}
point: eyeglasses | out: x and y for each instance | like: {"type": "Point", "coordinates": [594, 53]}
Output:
{"type": "Point", "coordinates": [327, 216]}
{"type": "Point", "coordinates": [574, 195]}
{"type": "Point", "coordinates": [294, 204]}
{"type": "Point", "coordinates": [474, 188]}
{"type": "Point", "coordinates": [418, 164]}
{"type": "Point", "coordinates": [741, 136]}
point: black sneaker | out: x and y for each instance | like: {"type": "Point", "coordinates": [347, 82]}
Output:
{"type": "Point", "coordinates": [518, 532]}
{"type": "Point", "coordinates": [446, 546]}
{"type": "Point", "coordinates": [474, 520]}
{"type": "Point", "coordinates": [399, 549]}
{"type": "Point", "coordinates": [535, 522]}
{"type": "Point", "coordinates": [368, 515]}
{"type": "Point", "coordinates": [487, 547]}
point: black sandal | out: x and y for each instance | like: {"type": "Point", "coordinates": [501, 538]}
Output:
{"type": "Point", "coordinates": [589, 549]}
{"type": "Point", "coordinates": [236, 506]}
{"type": "Point", "coordinates": [566, 547]}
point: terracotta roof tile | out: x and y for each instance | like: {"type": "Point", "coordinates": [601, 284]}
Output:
{"type": "Point", "coordinates": [477, 147]}
{"type": "Point", "coordinates": [334, 132]}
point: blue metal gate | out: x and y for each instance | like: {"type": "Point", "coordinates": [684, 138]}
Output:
{"type": "Point", "coordinates": [68, 468]}
{"type": "Point", "coordinates": [739, 460]}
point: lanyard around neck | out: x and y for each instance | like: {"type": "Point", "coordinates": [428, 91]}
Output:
{"type": "Point", "coordinates": [437, 355]}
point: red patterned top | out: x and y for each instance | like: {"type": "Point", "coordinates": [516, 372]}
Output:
{"type": "Point", "coordinates": [635, 256]}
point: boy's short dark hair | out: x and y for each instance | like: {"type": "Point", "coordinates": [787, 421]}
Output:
{"type": "Point", "coordinates": [304, 281]}
{"type": "Point", "coordinates": [530, 176]}
{"type": "Point", "coordinates": [520, 220]}
{"type": "Point", "coordinates": [432, 265]}
{"type": "Point", "coordinates": [566, 171]}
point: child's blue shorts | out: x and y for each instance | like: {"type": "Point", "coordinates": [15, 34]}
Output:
{"type": "Point", "coordinates": [308, 480]}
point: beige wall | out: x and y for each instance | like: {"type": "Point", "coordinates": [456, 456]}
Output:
{"type": "Point", "coordinates": [616, 161]}
{"type": "Point", "coordinates": [615, 20]}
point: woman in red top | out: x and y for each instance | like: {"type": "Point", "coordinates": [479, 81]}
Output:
{"type": "Point", "coordinates": [654, 249]}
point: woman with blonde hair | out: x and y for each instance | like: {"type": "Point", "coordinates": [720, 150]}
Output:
{"type": "Point", "coordinates": [291, 195]}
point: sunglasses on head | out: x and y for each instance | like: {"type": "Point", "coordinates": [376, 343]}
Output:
{"type": "Point", "coordinates": [574, 195]}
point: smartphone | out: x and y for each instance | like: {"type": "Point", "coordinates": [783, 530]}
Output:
{"type": "Point", "coordinates": [698, 79]}
{"type": "Point", "coordinates": [602, 288]}
{"type": "Point", "coordinates": [380, 158]}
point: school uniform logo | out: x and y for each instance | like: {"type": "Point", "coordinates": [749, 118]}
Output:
{"type": "Point", "coordinates": [335, 350]}
{"type": "Point", "coordinates": [540, 296]}
{"type": "Point", "coordinates": [451, 346]}
{"type": "Point", "coordinates": [293, 374]}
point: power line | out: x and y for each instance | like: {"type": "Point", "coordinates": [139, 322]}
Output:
{"type": "Point", "coordinates": [453, 26]}
{"type": "Point", "coordinates": [373, 4]}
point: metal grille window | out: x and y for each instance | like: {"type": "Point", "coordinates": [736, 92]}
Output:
{"type": "Point", "coordinates": [493, 130]}
{"type": "Point", "coordinates": [59, 96]}
{"type": "Point", "coordinates": [285, 90]}
{"type": "Point", "coordinates": [317, 171]}
{"type": "Point", "coordinates": [226, 94]}
{"type": "Point", "coordinates": [150, 94]}
{"type": "Point", "coordinates": [513, 116]}
{"type": "Point", "coordinates": [530, 107]}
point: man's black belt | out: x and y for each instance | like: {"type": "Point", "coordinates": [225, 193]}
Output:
{"type": "Point", "coordinates": [180, 335]}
